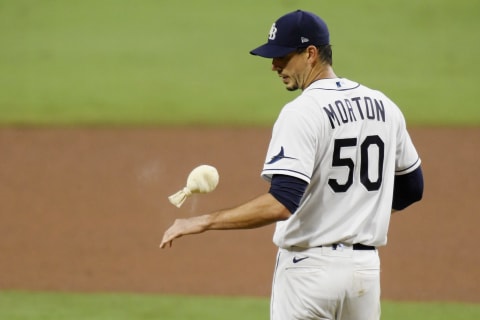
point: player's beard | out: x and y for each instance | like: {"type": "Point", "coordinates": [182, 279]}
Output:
{"type": "Point", "coordinates": [292, 88]}
{"type": "Point", "coordinates": [291, 84]}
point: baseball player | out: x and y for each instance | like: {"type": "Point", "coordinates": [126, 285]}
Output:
{"type": "Point", "coordinates": [340, 160]}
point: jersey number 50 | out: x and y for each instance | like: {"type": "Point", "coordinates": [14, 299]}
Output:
{"type": "Point", "coordinates": [338, 161]}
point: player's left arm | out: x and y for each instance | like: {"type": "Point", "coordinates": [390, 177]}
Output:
{"type": "Point", "coordinates": [407, 189]}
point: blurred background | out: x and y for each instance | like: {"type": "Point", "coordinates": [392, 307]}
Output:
{"type": "Point", "coordinates": [187, 62]}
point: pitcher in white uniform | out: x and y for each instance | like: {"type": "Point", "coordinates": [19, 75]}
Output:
{"type": "Point", "coordinates": [340, 160]}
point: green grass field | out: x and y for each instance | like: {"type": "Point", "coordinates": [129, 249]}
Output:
{"type": "Point", "coordinates": [16, 305]}
{"type": "Point", "coordinates": [187, 62]}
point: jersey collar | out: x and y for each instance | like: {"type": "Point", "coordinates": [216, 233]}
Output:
{"type": "Point", "coordinates": [337, 84]}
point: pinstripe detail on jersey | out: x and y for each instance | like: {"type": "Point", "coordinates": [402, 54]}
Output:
{"type": "Point", "coordinates": [337, 89]}
{"type": "Point", "coordinates": [407, 170]}
{"type": "Point", "coordinates": [278, 171]}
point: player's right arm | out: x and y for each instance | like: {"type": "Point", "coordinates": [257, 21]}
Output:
{"type": "Point", "coordinates": [261, 211]}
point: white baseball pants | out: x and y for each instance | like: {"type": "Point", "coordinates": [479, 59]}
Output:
{"type": "Point", "coordinates": [335, 283]}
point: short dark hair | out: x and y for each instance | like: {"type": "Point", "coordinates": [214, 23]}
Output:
{"type": "Point", "coordinates": [324, 53]}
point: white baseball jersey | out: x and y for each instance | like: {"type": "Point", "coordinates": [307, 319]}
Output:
{"type": "Point", "coordinates": [348, 142]}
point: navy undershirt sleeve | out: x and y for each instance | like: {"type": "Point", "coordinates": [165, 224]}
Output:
{"type": "Point", "coordinates": [407, 189]}
{"type": "Point", "coordinates": [288, 190]}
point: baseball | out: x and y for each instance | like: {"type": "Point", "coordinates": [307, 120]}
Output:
{"type": "Point", "coordinates": [202, 179]}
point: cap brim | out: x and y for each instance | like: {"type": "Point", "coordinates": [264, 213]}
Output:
{"type": "Point", "coordinates": [272, 51]}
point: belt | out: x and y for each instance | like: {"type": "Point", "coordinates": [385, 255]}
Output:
{"type": "Point", "coordinates": [356, 246]}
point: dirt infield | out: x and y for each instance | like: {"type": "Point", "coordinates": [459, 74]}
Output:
{"type": "Point", "coordinates": [85, 209]}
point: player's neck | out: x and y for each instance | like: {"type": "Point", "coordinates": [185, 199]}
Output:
{"type": "Point", "coordinates": [322, 72]}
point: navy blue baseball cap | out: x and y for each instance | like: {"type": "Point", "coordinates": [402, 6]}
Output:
{"type": "Point", "coordinates": [295, 30]}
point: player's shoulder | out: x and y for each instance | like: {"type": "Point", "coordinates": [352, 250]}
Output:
{"type": "Point", "coordinates": [379, 94]}
{"type": "Point", "coordinates": [303, 106]}
{"type": "Point", "coordinates": [373, 91]}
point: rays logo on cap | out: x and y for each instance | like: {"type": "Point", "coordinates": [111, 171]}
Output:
{"type": "Point", "coordinates": [273, 32]}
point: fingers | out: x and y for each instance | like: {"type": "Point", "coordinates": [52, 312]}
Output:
{"type": "Point", "coordinates": [182, 227]}
{"type": "Point", "coordinates": [164, 244]}
{"type": "Point", "coordinates": [176, 230]}
{"type": "Point", "coordinates": [167, 239]}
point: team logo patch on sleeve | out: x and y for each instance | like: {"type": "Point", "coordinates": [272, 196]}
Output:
{"type": "Point", "coordinates": [281, 155]}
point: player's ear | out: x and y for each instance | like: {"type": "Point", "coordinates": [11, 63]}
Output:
{"type": "Point", "coordinates": [312, 53]}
